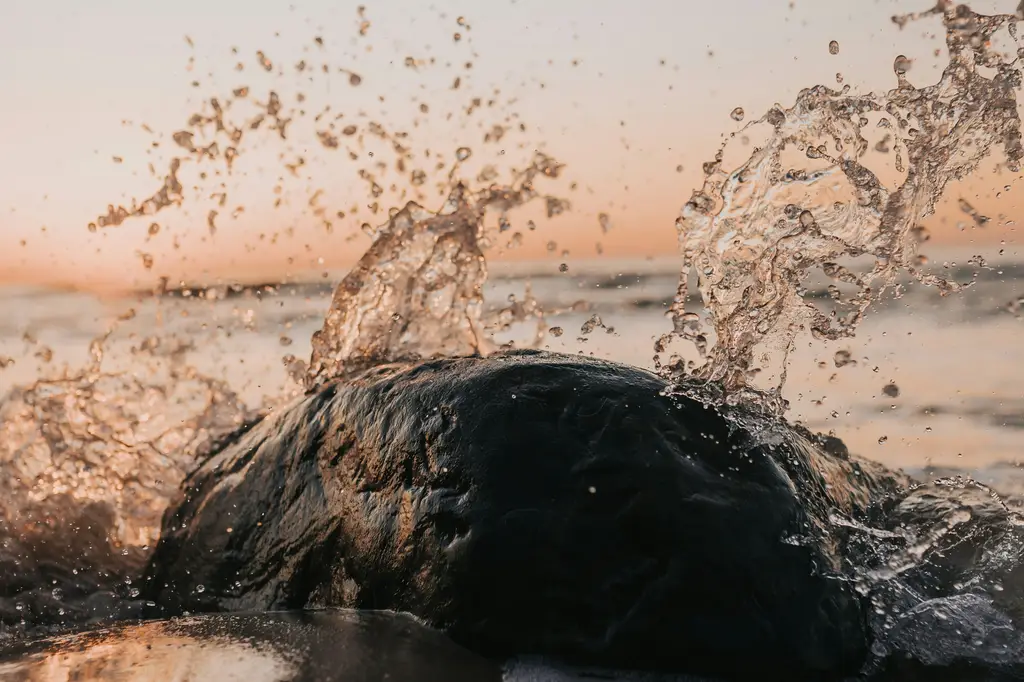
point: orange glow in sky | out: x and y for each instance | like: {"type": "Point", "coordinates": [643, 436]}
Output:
{"type": "Point", "coordinates": [632, 97]}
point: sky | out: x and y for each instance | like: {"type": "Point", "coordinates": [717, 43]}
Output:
{"type": "Point", "coordinates": [631, 96]}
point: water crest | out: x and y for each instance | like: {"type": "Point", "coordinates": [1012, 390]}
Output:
{"type": "Point", "coordinates": [91, 459]}
{"type": "Point", "coordinates": [418, 291]}
{"type": "Point", "coordinates": [815, 189]}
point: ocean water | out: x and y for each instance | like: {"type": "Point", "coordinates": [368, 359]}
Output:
{"type": "Point", "coordinates": [930, 384]}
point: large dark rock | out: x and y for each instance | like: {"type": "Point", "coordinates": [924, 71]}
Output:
{"type": "Point", "coordinates": [532, 503]}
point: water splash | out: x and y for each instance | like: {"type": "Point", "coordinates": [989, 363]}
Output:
{"type": "Point", "coordinates": [805, 201]}
{"type": "Point", "coordinates": [418, 291]}
{"type": "Point", "coordinates": [122, 438]}
{"type": "Point", "coordinates": [92, 456]}
{"type": "Point", "coordinates": [91, 460]}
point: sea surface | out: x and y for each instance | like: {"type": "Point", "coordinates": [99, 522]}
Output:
{"type": "Point", "coordinates": [930, 384]}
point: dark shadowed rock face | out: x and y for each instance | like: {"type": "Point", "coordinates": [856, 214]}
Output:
{"type": "Point", "coordinates": [533, 503]}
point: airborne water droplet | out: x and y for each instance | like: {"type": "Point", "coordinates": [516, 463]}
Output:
{"type": "Point", "coordinates": [833, 47]}
{"type": "Point", "coordinates": [843, 358]}
{"type": "Point", "coordinates": [463, 153]}
{"type": "Point", "coordinates": [737, 114]}
{"type": "Point", "coordinates": [556, 331]}
{"type": "Point", "coordinates": [901, 65]}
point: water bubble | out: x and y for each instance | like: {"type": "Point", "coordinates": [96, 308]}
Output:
{"type": "Point", "coordinates": [556, 331]}
{"type": "Point", "coordinates": [200, 589]}
{"type": "Point", "coordinates": [833, 47]}
{"type": "Point", "coordinates": [57, 593]}
{"type": "Point", "coordinates": [591, 324]}
{"type": "Point", "coordinates": [902, 64]}
{"type": "Point", "coordinates": [843, 358]}
{"type": "Point", "coordinates": [463, 153]}
{"type": "Point", "coordinates": [134, 592]}
{"type": "Point", "coordinates": [737, 114]}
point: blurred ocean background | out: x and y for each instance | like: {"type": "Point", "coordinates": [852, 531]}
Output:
{"type": "Point", "coordinates": [931, 384]}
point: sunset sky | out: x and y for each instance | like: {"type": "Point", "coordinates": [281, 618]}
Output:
{"type": "Point", "coordinates": [622, 92]}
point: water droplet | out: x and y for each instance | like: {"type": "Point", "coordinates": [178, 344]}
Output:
{"type": "Point", "coordinates": [463, 153]}
{"type": "Point", "coordinates": [564, 267]}
{"type": "Point", "coordinates": [891, 390]}
{"type": "Point", "coordinates": [833, 47]}
{"type": "Point", "coordinates": [737, 114]}
{"type": "Point", "coordinates": [882, 439]}
{"type": "Point", "coordinates": [57, 593]}
{"type": "Point", "coordinates": [901, 65]}
{"type": "Point", "coordinates": [591, 324]}
{"type": "Point", "coordinates": [200, 589]}
{"type": "Point", "coordinates": [556, 331]}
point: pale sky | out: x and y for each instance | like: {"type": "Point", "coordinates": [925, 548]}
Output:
{"type": "Point", "coordinates": [620, 119]}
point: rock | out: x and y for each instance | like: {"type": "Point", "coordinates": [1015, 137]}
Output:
{"type": "Point", "coordinates": [536, 504]}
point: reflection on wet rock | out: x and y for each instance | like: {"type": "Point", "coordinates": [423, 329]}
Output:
{"type": "Point", "coordinates": [295, 647]}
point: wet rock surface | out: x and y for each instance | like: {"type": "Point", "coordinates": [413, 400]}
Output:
{"type": "Point", "coordinates": [533, 503]}
{"type": "Point", "coordinates": [551, 507]}
{"type": "Point", "coordinates": [325, 646]}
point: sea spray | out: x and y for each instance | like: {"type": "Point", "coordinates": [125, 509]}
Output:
{"type": "Point", "coordinates": [813, 193]}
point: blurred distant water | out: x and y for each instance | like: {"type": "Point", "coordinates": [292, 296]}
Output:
{"type": "Point", "coordinates": [935, 385]}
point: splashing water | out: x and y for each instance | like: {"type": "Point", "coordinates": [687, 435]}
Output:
{"type": "Point", "coordinates": [417, 292]}
{"type": "Point", "coordinates": [93, 456]}
{"type": "Point", "coordinates": [124, 439]}
{"type": "Point", "coordinates": [91, 460]}
{"type": "Point", "coordinates": [105, 450]}
{"type": "Point", "coordinates": [806, 200]}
